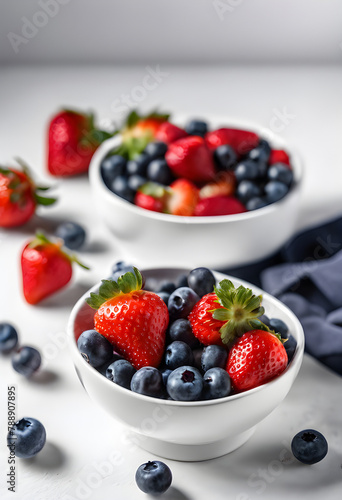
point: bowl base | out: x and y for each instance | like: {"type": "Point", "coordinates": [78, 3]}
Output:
{"type": "Point", "coordinates": [194, 453]}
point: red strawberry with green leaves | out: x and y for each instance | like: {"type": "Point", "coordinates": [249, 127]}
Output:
{"type": "Point", "coordinates": [72, 141]}
{"type": "Point", "coordinates": [138, 130]}
{"type": "Point", "coordinates": [219, 205]}
{"type": "Point", "coordinates": [256, 358]}
{"type": "Point", "coordinates": [242, 141]}
{"type": "Point", "coordinates": [45, 267]}
{"type": "Point", "coordinates": [228, 312]}
{"type": "Point", "coordinates": [191, 159]}
{"type": "Point", "coordinates": [183, 197]}
{"type": "Point", "coordinates": [168, 133]}
{"type": "Point", "coordinates": [279, 156]}
{"type": "Point", "coordinates": [19, 196]}
{"type": "Point", "coordinates": [132, 319]}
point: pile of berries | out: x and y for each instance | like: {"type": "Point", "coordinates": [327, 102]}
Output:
{"type": "Point", "coordinates": [197, 172]}
{"type": "Point", "coordinates": [185, 341]}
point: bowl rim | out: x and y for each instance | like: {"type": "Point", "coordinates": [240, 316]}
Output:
{"type": "Point", "coordinates": [298, 169]}
{"type": "Point", "coordinates": [293, 366]}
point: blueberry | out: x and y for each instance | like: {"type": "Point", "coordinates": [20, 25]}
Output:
{"type": "Point", "coordinates": [290, 347]}
{"type": "Point", "coordinates": [181, 330]}
{"type": "Point", "coordinates": [275, 191]}
{"type": "Point", "coordinates": [178, 354]}
{"type": "Point", "coordinates": [134, 182]}
{"type": "Point", "coordinates": [264, 319]}
{"type": "Point", "coordinates": [121, 372]}
{"type": "Point", "coordinates": [159, 171]}
{"type": "Point", "coordinates": [120, 187]}
{"type": "Point", "coordinates": [247, 169]}
{"type": "Point", "coordinates": [225, 157]}
{"type": "Point", "coordinates": [8, 337]}
{"type": "Point", "coordinates": [103, 368]}
{"type": "Point", "coordinates": [202, 281]}
{"type": "Point", "coordinates": [182, 281]}
{"type": "Point", "coordinates": [279, 326]}
{"type": "Point", "coordinates": [216, 383]}
{"type": "Point", "coordinates": [165, 374]}
{"type": "Point", "coordinates": [262, 169]}
{"type": "Point", "coordinates": [26, 437]}
{"type": "Point", "coordinates": [261, 153]}
{"type": "Point", "coordinates": [111, 167]}
{"type": "Point", "coordinates": [197, 127]}
{"type": "Point", "coordinates": [138, 166]}
{"type": "Point", "coordinates": [72, 234]}
{"type": "Point", "coordinates": [185, 384]}
{"type": "Point", "coordinates": [197, 354]}
{"type": "Point", "coordinates": [148, 381]}
{"type": "Point", "coordinates": [164, 296]}
{"type": "Point", "coordinates": [213, 356]}
{"type": "Point", "coordinates": [120, 264]}
{"type": "Point", "coordinates": [26, 361]}
{"type": "Point", "coordinates": [256, 203]}
{"type": "Point", "coordinates": [181, 303]}
{"type": "Point", "coordinates": [280, 172]}
{"type": "Point", "coordinates": [155, 149]}
{"type": "Point", "coordinates": [309, 446]}
{"type": "Point", "coordinates": [166, 286]}
{"type": "Point", "coordinates": [94, 348]}
{"type": "Point", "coordinates": [246, 190]}
{"type": "Point", "coordinates": [154, 477]}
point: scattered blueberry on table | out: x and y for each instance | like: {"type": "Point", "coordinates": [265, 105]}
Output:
{"type": "Point", "coordinates": [309, 446]}
{"type": "Point", "coordinates": [153, 477]}
{"type": "Point", "coordinates": [26, 437]}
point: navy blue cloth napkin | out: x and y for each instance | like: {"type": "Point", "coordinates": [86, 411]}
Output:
{"type": "Point", "coordinates": [307, 276]}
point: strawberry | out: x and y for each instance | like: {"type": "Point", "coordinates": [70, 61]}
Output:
{"type": "Point", "coordinates": [45, 267]}
{"type": "Point", "coordinates": [228, 312]}
{"type": "Point", "coordinates": [147, 202]}
{"type": "Point", "coordinates": [241, 140]}
{"type": "Point", "coordinates": [152, 196]}
{"type": "Point", "coordinates": [132, 319]}
{"type": "Point", "coordinates": [168, 133]}
{"type": "Point", "coordinates": [219, 205]}
{"type": "Point", "coordinates": [191, 159]}
{"type": "Point", "coordinates": [255, 358]}
{"type": "Point", "coordinates": [72, 141]}
{"type": "Point", "coordinates": [183, 197]}
{"type": "Point", "coordinates": [223, 185]}
{"type": "Point", "coordinates": [19, 196]}
{"type": "Point", "coordinates": [279, 156]}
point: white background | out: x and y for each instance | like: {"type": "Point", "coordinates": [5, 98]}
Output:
{"type": "Point", "coordinates": [81, 438]}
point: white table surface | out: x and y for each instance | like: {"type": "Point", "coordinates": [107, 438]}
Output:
{"type": "Point", "coordinates": [81, 438]}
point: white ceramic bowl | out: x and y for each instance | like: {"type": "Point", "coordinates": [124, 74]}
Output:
{"type": "Point", "coordinates": [186, 430]}
{"type": "Point", "coordinates": [154, 239]}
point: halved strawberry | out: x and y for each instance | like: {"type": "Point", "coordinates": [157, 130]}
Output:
{"type": "Point", "coordinates": [190, 159]}
{"type": "Point", "coordinates": [219, 205]}
{"type": "Point", "coordinates": [241, 140]}
{"type": "Point", "coordinates": [223, 185]}
{"type": "Point", "coordinates": [132, 319]}
{"type": "Point", "coordinates": [183, 197]}
{"type": "Point", "coordinates": [279, 156]}
{"type": "Point", "coordinates": [168, 133]}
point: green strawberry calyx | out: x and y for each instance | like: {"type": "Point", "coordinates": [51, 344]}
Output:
{"type": "Point", "coordinates": [41, 240]}
{"type": "Point", "coordinates": [240, 311]}
{"type": "Point", "coordinates": [128, 282]}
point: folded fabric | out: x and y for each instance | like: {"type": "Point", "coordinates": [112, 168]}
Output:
{"type": "Point", "coordinates": [307, 276]}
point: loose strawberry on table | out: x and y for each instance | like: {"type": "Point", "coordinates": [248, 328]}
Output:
{"type": "Point", "coordinates": [19, 196]}
{"type": "Point", "coordinates": [45, 268]}
{"type": "Point", "coordinates": [72, 141]}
